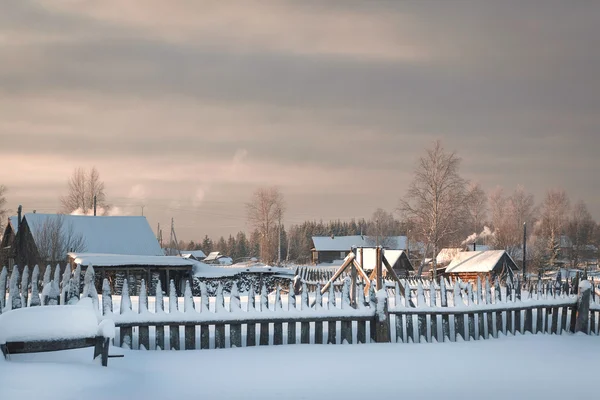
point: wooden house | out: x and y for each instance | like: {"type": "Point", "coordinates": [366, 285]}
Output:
{"type": "Point", "coordinates": [398, 260]}
{"type": "Point", "coordinates": [332, 249]}
{"type": "Point", "coordinates": [469, 265]}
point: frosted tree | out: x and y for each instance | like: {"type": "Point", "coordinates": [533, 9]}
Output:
{"type": "Point", "coordinates": [264, 214]}
{"type": "Point", "coordinates": [25, 286]}
{"type": "Point", "coordinates": [435, 201]}
{"type": "Point", "coordinates": [125, 299]}
{"type": "Point", "coordinates": [35, 295]}
{"type": "Point", "coordinates": [159, 306]}
{"type": "Point", "coordinates": [172, 297]}
{"type": "Point", "coordinates": [14, 297]}
{"type": "Point", "coordinates": [188, 302]}
{"type": "Point", "coordinates": [83, 186]}
{"type": "Point", "coordinates": [3, 275]}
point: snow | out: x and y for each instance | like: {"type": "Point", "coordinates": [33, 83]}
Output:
{"type": "Point", "coordinates": [523, 367]}
{"type": "Point", "coordinates": [202, 270]}
{"type": "Point", "coordinates": [111, 260]}
{"type": "Point", "coordinates": [102, 234]}
{"type": "Point", "coordinates": [49, 322]}
{"type": "Point", "coordinates": [475, 261]}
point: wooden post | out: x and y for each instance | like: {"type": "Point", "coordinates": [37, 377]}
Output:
{"type": "Point", "coordinates": [382, 320]}
{"type": "Point", "coordinates": [583, 306]}
{"type": "Point", "coordinates": [354, 281]}
{"type": "Point", "coordinates": [378, 277]}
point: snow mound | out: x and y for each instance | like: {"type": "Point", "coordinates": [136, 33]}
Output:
{"type": "Point", "coordinates": [49, 323]}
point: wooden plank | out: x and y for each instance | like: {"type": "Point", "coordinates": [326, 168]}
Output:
{"type": "Point", "coordinates": [42, 346]}
{"type": "Point", "coordinates": [125, 336]}
{"type": "Point", "coordinates": [305, 333]}
{"type": "Point", "coordinates": [144, 337]}
{"type": "Point", "coordinates": [235, 335]}
{"type": "Point", "coordinates": [434, 329]}
{"type": "Point", "coordinates": [347, 261]}
{"type": "Point", "coordinates": [445, 328]}
{"type": "Point", "coordinates": [220, 336]}
{"type": "Point", "coordinates": [251, 335]}
{"type": "Point", "coordinates": [422, 327]}
{"type": "Point", "coordinates": [539, 323]}
{"type": "Point", "coordinates": [278, 333]}
{"type": "Point", "coordinates": [319, 332]}
{"type": "Point", "coordinates": [554, 326]}
{"type": "Point", "coordinates": [189, 338]}
{"type": "Point", "coordinates": [331, 332]}
{"type": "Point", "coordinates": [174, 337]}
{"type": "Point", "coordinates": [592, 322]}
{"type": "Point", "coordinates": [481, 322]}
{"type": "Point", "coordinates": [264, 334]}
{"type": "Point", "coordinates": [346, 331]}
{"type": "Point", "coordinates": [410, 329]}
{"type": "Point", "coordinates": [517, 322]}
{"type": "Point", "coordinates": [471, 325]}
{"type": "Point", "coordinates": [459, 326]}
{"type": "Point", "coordinates": [361, 330]}
{"type": "Point", "coordinates": [528, 324]}
{"type": "Point", "coordinates": [160, 337]}
{"type": "Point", "coordinates": [509, 323]}
{"type": "Point", "coordinates": [495, 323]}
{"type": "Point", "coordinates": [291, 332]}
{"type": "Point", "coordinates": [563, 320]}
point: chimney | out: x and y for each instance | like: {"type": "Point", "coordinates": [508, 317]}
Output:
{"type": "Point", "coordinates": [19, 211]}
{"type": "Point", "coordinates": [474, 246]}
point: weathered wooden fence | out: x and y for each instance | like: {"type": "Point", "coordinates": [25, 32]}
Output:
{"type": "Point", "coordinates": [430, 311]}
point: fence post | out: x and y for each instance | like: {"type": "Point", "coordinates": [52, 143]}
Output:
{"type": "Point", "coordinates": [583, 306]}
{"type": "Point", "coordinates": [382, 318]}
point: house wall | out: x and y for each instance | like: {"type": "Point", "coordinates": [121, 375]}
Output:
{"type": "Point", "coordinates": [328, 256]}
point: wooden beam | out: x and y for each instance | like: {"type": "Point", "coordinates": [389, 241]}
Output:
{"type": "Point", "coordinates": [347, 261]}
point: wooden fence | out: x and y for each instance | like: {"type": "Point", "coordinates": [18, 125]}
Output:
{"type": "Point", "coordinates": [430, 311]}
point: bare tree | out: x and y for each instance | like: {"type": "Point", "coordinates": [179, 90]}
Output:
{"type": "Point", "coordinates": [56, 237]}
{"type": "Point", "coordinates": [381, 228]}
{"type": "Point", "coordinates": [580, 229]}
{"type": "Point", "coordinates": [435, 200]}
{"type": "Point", "coordinates": [554, 216]}
{"type": "Point", "coordinates": [264, 213]}
{"type": "Point", "coordinates": [476, 208]}
{"type": "Point", "coordinates": [82, 187]}
{"type": "Point", "coordinates": [3, 210]}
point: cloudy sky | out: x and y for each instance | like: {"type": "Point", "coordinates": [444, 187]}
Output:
{"type": "Point", "coordinates": [186, 107]}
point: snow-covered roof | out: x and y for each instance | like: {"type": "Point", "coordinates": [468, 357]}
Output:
{"type": "Point", "coordinates": [446, 255]}
{"type": "Point", "coordinates": [370, 257]}
{"type": "Point", "coordinates": [113, 260]}
{"type": "Point", "coordinates": [345, 243]}
{"type": "Point", "coordinates": [199, 254]}
{"type": "Point", "coordinates": [476, 261]}
{"type": "Point", "coordinates": [103, 234]}
{"type": "Point", "coordinates": [214, 256]}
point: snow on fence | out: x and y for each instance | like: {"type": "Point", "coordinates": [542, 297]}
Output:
{"type": "Point", "coordinates": [431, 311]}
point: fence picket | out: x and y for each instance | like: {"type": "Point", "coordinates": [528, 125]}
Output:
{"type": "Point", "coordinates": [235, 329]}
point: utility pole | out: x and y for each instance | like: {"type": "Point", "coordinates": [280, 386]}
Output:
{"type": "Point", "coordinates": [279, 243]}
{"type": "Point", "coordinates": [174, 236]}
{"type": "Point", "coordinates": [94, 205]}
{"type": "Point", "coordinates": [142, 209]}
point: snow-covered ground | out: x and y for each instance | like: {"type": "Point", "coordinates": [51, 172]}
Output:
{"type": "Point", "coordinates": [522, 367]}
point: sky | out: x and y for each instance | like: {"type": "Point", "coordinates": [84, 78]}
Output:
{"type": "Point", "coordinates": [187, 107]}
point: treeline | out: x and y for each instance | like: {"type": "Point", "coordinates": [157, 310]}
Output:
{"type": "Point", "coordinates": [296, 241]}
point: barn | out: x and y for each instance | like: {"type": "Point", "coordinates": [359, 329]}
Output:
{"type": "Point", "coordinates": [469, 265]}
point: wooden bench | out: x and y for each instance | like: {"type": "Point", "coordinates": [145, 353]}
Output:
{"type": "Point", "coordinates": [55, 328]}
{"type": "Point", "coordinates": [99, 343]}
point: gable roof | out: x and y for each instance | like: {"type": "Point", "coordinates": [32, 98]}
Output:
{"type": "Point", "coordinates": [102, 234]}
{"type": "Point", "coordinates": [195, 253]}
{"type": "Point", "coordinates": [478, 261]}
{"type": "Point", "coordinates": [370, 257]}
{"type": "Point", "coordinates": [345, 243]}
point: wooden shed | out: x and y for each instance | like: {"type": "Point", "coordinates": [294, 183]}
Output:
{"type": "Point", "coordinates": [469, 265]}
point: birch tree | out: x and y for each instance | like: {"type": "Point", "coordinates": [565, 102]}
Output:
{"type": "Point", "coordinates": [264, 213]}
{"type": "Point", "coordinates": [56, 237]}
{"type": "Point", "coordinates": [554, 216]}
{"type": "Point", "coordinates": [435, 199]}
{"type": "Point", "coordinates": [82, 187]}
